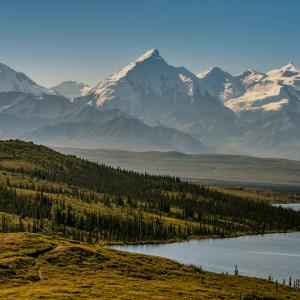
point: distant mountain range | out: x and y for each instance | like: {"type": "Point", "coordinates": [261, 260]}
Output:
{"type": "Point", "coordinates": [277, 90]}
{"type": "Point", "coordinates": [151, 105]}
{"type": "Point", "coordinates": [118, 133]}
{"type": "Point", "coordinates": [71, 89]}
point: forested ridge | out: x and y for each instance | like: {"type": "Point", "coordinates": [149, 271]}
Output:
{"type": "Point", "coordinates": [42, 190]}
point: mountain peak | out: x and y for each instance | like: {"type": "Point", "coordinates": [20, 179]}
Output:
{"type": "Point", "coordinates": [287, 71]}
{"type": "Point", "coordinates": [13, 81]}
{"type": "Point", "coordinates": [73, 82]}
{"type": "Point", "coordinates": [152, 53]}
{"type": "Point", "coordinates": [250, 73]}
{"type": "Point", "coordinates": [71, 89]}
{"type": "Point", "coordinates": [289, 67]}
{"type": "Point", "coordinates": [215, 69]}
{"type": "Point", "coordinates": [250, 77]}
{"type": "Point", "coordinates": [211, 72]}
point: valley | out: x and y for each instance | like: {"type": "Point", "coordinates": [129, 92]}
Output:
{"type": "Point", "coordinates": [231, 170]}
{"type": "Point", "coordinates": [57, 212]}
{"type": "Point", "coordinates": [179, 165]}
{"type": "Point", "coordinates": [149, 150]}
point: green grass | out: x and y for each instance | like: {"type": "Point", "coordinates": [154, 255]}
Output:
{"type": "Point", "coordinates": [33, 266]}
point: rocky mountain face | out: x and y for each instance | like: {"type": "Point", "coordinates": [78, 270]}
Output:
{"type": "Point", "coordinates": [266, 94]}
{"type": "Point", "coordinates": [220, 84]}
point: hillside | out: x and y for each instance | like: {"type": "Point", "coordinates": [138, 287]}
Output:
{"type": "Point", "coordinates": [233, 169]}
{"type": "Point", "coordinates": [37, 266]}
{"type": "Point", "coordinates": [45, 191]}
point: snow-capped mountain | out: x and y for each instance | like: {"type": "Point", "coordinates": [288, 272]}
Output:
{"type": "Point", "coordinates": [252, 94]}
{"type": "Point", "coordinates": [220, 84]}
{"type": "Point", "coordinates": [250, 78]}
{"type": "Point", "coordinates": [277, 90]}
{"type": "Point", "coordinates": [149, 87]}
{"type": "Point", "coordinates": [151, 105]}
{"type": "Point", "coordinates": [55, 120]}
{"type": "Point", "coordinates": [71, 89]}
{"type": "Point", "coordinates": [287, 75]}
{"type": "Point", "coordinates": [13, 81]}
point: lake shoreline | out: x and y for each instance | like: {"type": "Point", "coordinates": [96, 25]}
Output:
{"type": "Point", "coordinates": [172, 241]}
{"type": "Point", "coordinates": [236, 235]}
{"type": "Point", "coordinates": [272, 254]}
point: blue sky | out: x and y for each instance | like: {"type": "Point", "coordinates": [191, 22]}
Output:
{"type": "Point", "coordinates": [55, 40]}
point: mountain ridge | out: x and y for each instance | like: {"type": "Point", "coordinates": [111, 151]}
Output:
{"type": "Point", "coordinates": [13, 81]}
{"type": "Point", "coordinates": [164, 96]}
{"type": "Point", "coordinates": [118, 133]}
{"type": "Point", "coordinates": [149, 86]}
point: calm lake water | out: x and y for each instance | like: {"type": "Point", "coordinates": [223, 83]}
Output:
{"type": "Point", "coordinates": [277, 255]}
{"type": "Point", "coordinates": [295, 206]}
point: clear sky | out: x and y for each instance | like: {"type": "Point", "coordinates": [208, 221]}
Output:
{"type": "Point", "coordinates": [55, 40]}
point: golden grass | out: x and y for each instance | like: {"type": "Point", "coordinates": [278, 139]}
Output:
{"type": "Point", "coordinates": [33, 266]}
{"type": "Point", "coordinates": [259, 194]}
{"type": "Point", "coordinates": [15, 164]}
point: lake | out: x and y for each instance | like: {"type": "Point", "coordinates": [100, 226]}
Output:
{"type": "Point", "coordinates": [295, 206]}
{"type": "Point", "coordinates": [276, 254]}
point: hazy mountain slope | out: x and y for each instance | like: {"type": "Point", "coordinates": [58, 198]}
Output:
{"type": "Point", "coordinates": [54, 120]}
{"type": "Point", "coordinates": [149, 87]}
{"type": "Point", "coordinates": [277, 135]}
{"type": "Point", "coordinates": [35, 105]}
{"type": "Point", "coordinates": [13, 81]}
{"type": "Point", "coordinates": [52, 108]}
{"type": "Point", "coordinates": [117, 133]}
{"type": "Point", "coordinates": [210, 168]}
{"type": "Point", "coordinates": [71, 89]}
{"type": "Point", "coordinates": [90, 114]}
{"type": "Point", "coordinates": [211, 128]}
{"type": "Point", "coordinates": [12, 126]}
